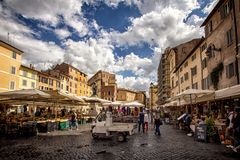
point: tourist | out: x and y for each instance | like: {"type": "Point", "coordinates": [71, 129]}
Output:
{"type": "Point", "coordinates": [187, 121]}
{"type": "Point", "coordinates": [157, 123]}
{"type": "Point", "coordinates": [236, 129]}
{"type": "Point", "coordinates": [146, 120]}
{"type": "Point", "coordinates": [229, 123]}
{"type": "Point", "coordinates": [141, 120]}
{"type": "Point", "coordinates": [73, 120]}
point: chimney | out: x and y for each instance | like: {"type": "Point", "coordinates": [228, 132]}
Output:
{"type": "Point", "coordinates": [31, 66]}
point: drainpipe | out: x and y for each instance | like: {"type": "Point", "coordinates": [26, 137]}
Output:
{"type": "Point", "coordinates": [236, 36]}
{"type": "Point", "coordinates": [201, 69]}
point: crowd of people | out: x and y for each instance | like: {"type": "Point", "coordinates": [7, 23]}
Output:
{"type": "Point", "coordinates": [145, 120]}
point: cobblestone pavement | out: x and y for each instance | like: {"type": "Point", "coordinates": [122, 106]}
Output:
{"type": "Point", "coordinates": [173, 144]}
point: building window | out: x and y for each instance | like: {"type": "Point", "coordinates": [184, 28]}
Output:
{"type": "Point", "coordinates": [203, 47]}
{"type": "Point", "coordinates": [13, 70]}
{"type": "Point", "coordinates": [229, 37]}
{"type": "Point", "coordinates": [33, 84]}
{"type": "Point", "coordinates": [67, 88]}
{"type": "Point", "coordinates": [24, 82]}
{"type": "Point", "coordinates": [205, 83]}
{"type": "Point", "coordinates": [177, 83]}
{"type": "Point", "coordinates": [225, 9]}
{"type": "Point", "coordinates": [14, 55]}
{"type": "Point", "coordinates": [25, 73]}
{"type": "Point", "coordinates": [33, 76]}
{"type": "Point", "coordinates": [186, 76]}
{"type": "Point", "coordinates": [70, 84]}
{"type": "Point", "coordinates": [195, 86]}
{"type": "Point", "coordinates": [230, 70]}
{"type": "Point", "coordinates": [75, 85]}
{"type": "Point", "coordinates": [204, 63]}
{"type": "Point", "coordinates": [109, 93]}
{"type": "Point", "coordinates": [187, 88]}
{"type": "Point", "coordinates": [61, 86]}
{"type": "Point", "coordinates": [12, 85]}
{"type": "Point", "coordinates": [70, 90]}
{"type": "Point", "coordinates": [193, 57]}
{"type": "Point", "coordinates": [210, 27]}
{"type": "Point", "coordinates": [182, 79]}
{"type": "Point", "coordinates": [58, 84]}
{"type": "Point", "coordinates": [181, 69]}
{"type": "Point", "coordinates": [186, 64]}
{"type": "Point", "coordinates": [194, 71]}
{"type": "Point", "coordinates": [50, 82]}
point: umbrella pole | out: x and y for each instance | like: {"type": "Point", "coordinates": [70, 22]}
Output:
{"type": "Point", "coordinates": [33, 108]}
{"type": "Point", "coordinates": [191, 100]}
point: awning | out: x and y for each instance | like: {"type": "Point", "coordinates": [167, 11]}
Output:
{"type": "Point", "coordinates": [116, 103]}
{"type": "Point", "coordinates": [94, 99]}
{"type": "Point", "coordinates": [134, 104]}
{"type": "Point", "coordinates": [233, 91]}
{"type": "Point", "coordinates": [27, 93]}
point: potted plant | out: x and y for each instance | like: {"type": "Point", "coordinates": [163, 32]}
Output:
{"type": "Point", "coordinates": [210, 129]}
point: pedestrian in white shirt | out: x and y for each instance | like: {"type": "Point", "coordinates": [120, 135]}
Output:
{"type": "Point", "coordinates": [146, 120]}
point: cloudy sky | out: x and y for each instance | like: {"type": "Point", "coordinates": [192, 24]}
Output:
{"type": "Point", "coordinates": [125, 37]}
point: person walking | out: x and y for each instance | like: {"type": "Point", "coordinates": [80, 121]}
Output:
{"type": "Point", "coordinates": [157, 123]}
{"type": "Point", "coordinates": [146, 120]}
{"type": "Point", "coordinates": [141, 120]}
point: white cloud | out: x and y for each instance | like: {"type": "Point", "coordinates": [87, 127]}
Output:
{"type": "Point", "coordinates": [195, 20]}
{"type": "Point", "coordinates": [161, 24]}
{"type": "Point", "coordinates": [62, 33]}
{"type": "Point", "coordinates": [51, 11]}
{"type": "Point", "coordinates": [139, 83]}
{"type": "Point", "coordinates": [210, 6]}
{"type": "Point", "coordinates": [159, 27]}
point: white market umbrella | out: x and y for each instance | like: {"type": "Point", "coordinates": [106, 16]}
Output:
{"type": "Point", "coordinates": [95, 99]}
{"type": "Point", "coordinates": [190, 94]}
{"type": "Point", "coordinates": [24, 93]}
{"type": "Point", "coordinates": [134, 104]}
{"type": "Point", "coordinates": [228, 92]}
{"type": "Point", "coordinates": [116, 103]}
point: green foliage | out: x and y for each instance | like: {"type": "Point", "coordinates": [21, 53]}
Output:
{"type": "Point", "coordinates": [216, 73]}
{"type": "Point", "coordinates": [210, 126]}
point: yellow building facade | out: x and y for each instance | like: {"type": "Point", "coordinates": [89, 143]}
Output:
{"type": "Point", "coordinates": [28, 77]}
{"type": "Point", "coordinates": [47, 82]}
{"type": "Point", "coordinates": [72, 80]}
{"type": "Point", "coordinates": [10, 61]}
{"type": "Point", "coordinates": [125, 95]}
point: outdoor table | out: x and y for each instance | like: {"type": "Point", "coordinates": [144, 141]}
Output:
{"type": "Point", "coordinates": [64, 124]}
{"type": "Point", "coordinates": [42, 126]}
{"type": "Point", "coordinates": [51, 125]}
{"type": "Point", "coordinates": [220, 126]}
{"type": "Point", "coordinates": [28, 128]}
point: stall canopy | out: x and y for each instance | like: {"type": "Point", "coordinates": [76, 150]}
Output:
{"type": "Point", "coordinates": [27, 94]}
{"type": "Point", "coordinates": [233, 91]}
{"type": "Point", "coordinates": [193, 94]}
{"type": "Point", "coordinates": [116, 103]}
{"type": "Point", "coordinates": [94, 99]}
{"type": "Point", "coordinates": [63, 97]}
{"type": "Point", "coordinates": [134, 104]}
{"type": "Point", "coordinates": [175, 103]}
